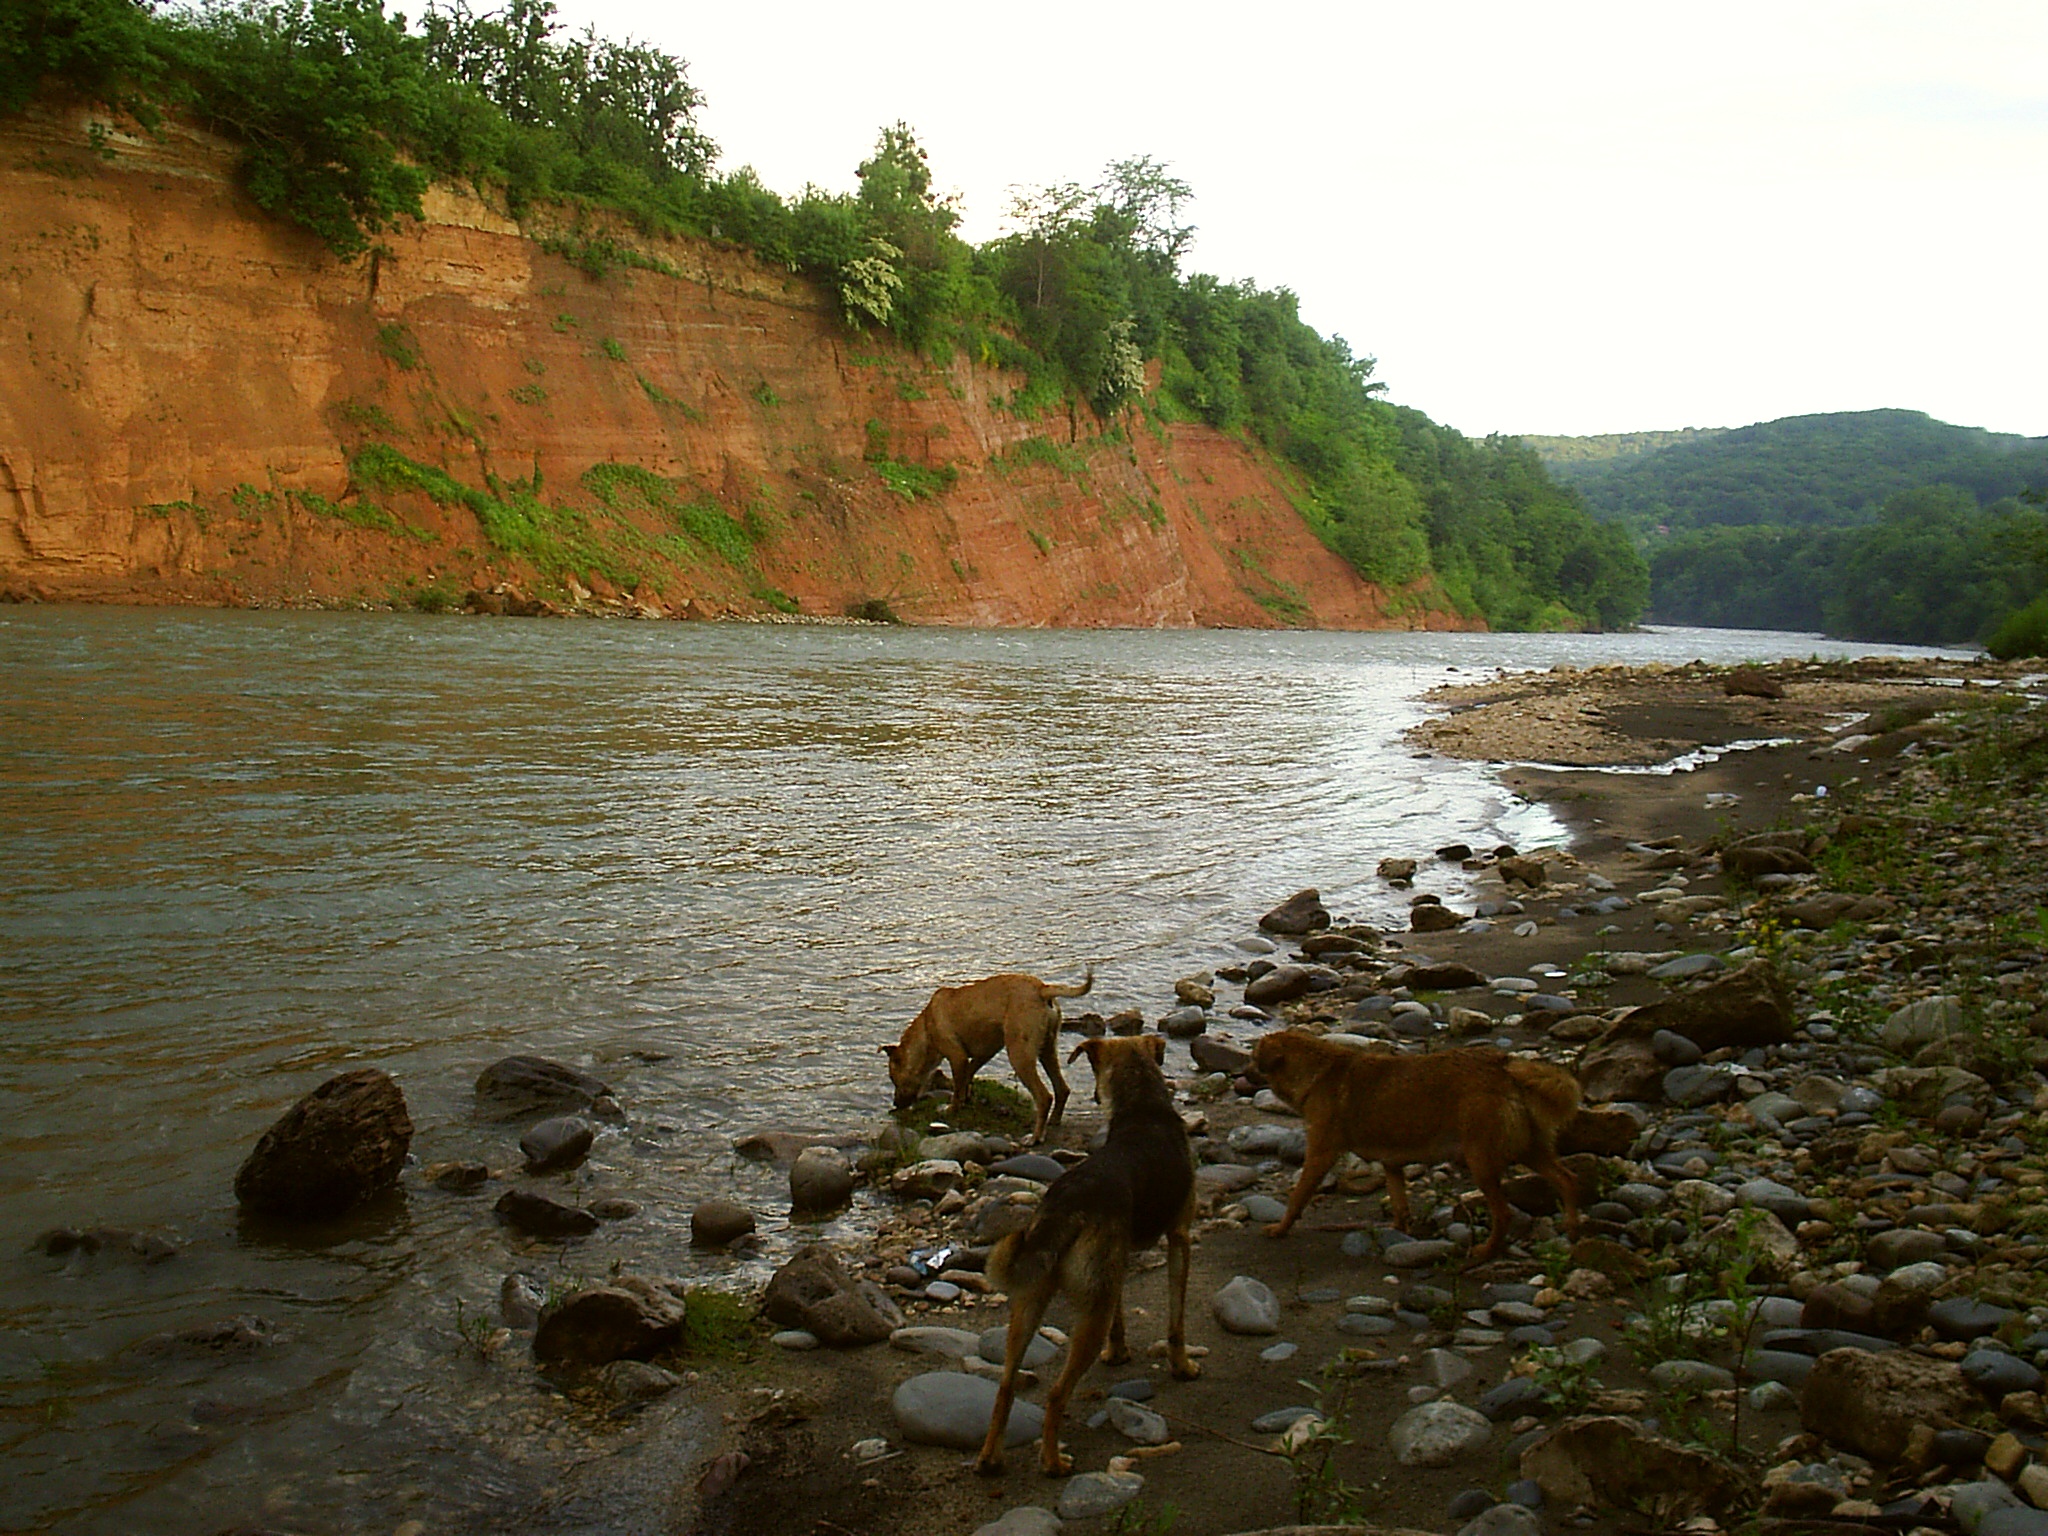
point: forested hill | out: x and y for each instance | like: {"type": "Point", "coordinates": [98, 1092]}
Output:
{"type": "Point", "coordinates": [1867, 525]}
{"type": "Point", "coordinates": [1082, 317]}
{"type": "Point", "coordinates": [1829, 471]}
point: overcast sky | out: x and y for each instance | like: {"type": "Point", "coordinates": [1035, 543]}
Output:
{"type": "Point", "coordinates": [1556, 218]}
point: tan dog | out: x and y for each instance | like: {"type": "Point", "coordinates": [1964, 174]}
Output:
{"type": "Point", "coordinates": [1138, 1188]}
{"type": "Point", "coordinates": [1476, 1103]}
{"type": "Point", "coordinates": [965, 1026]}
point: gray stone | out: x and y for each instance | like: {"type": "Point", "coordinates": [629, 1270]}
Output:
{"type": "Point", "coordinates": [1420, 1254]}
{"type": "Point", "coordinates": [813, 1292]}
{"type": "Point", "coordinates": [1035, 1166]}
{"type": "Point", "coordinates": [1786, 1204]}
{"type": "Point", "coordinates": [1303, 912]}
{"type": "Point", "coordinates": [1227, 1177]}
{"type": "Point", "coordinates": [1902, 1246]}
{"type": "Point", "coordinates": [1965, 1317]}
{"type": "Point", "coordinates": [952, 1408]}
{"type": "Point", "coordinates": [1504, 1520]}
{"type": "Point", "coordinates": [2022, 1521]}
{"type": "Point", "coordinates": [636, 1381]}
{"type": "Point", "coordinates": [1273, 1354]}
{"type": "Point", "coordinates": [1444, 1368]}
{"type": "Point", "coordinates": [1686, 967]}
{"type": "Point", "coordinates": [1690, 1087]}
{"type": "Point", "coordinates": [1138, 1424]}
{"type": "Point", "coordinates": [1098, 1493]}
{"type": "Point", "coordinates": [1038, 1354]}
{"type": "Point", "coordinates": [1438, 1433]}
{"type": "Point", "coordinates": [1184, 1023]}
{"type": "Point", "coordinates": [717, 1222]}
{"type": "Point", "coordinates": [1921, 1023]}
{"type": "Point", "coordinates": [1246, 1305]}
{"type": "Point", "coordinates": [1673, 1049]}
{"type": "Point", "coordinates": [1280, 1420]}
{"type": "Point", "coordinates": [1263, 1208]}
{"type": "Point", "coordinates": [1970, 1503]}
{"type": "Point", "coordinates": [1511, 1399]}
{"type": "Point", "coordinates": [1024, 1520]}
{"type": "Point", "coordinates": [946, 1343]}
{"type": "Point", "coordinates": [554, 1146]}
{"type": "Point", "coordinates": [1282, 984]}
{"type": "Point", "coordinates": [796, 1339]}
{"type": "Point", "coordinates": [1696, 1375]}
{"type": "Point", "coordinates": [1995, 1373]}
{"type": "Point", "coordinates": [529, 1085]}
{"type": "Point", "coordinates": [1772, 1397]}
{"type": "Point", "coordinates": [820, 1180]}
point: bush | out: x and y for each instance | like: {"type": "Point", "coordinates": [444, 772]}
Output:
{"type": "Point", "coordinates": [2023, 632]}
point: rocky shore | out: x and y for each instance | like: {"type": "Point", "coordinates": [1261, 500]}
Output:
{"type": "Point", "coordinates": [1802, 986]}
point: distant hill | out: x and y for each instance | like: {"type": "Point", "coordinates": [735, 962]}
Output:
{"type": "Point", "coordinates": [1829, 471]}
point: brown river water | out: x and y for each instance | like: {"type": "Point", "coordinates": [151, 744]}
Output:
{"type": "Point", "coordinates": [715, 865]}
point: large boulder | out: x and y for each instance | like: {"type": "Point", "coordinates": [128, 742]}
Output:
{"type": "Point", "coordinates": [813, 1292]}
{"type": "Point", "coordinates": [520, 1086]}
{"type": "Point", "coordinates": [342, 1144]}
{"type": "Point", "coordinates": [952, 1409]}
{"type": "Point", "coordinates": [628, 1318]}
{"type": "Point", "coordinates": [1749, 1006]}
{"type": "Point", "coordinates": [1615, 1461]}
{"type": "Point", "coordinates": [1871, 1403]}
{"type": "Point", "coordinates": [1303, 912]}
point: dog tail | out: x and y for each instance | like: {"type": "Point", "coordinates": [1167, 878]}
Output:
{"type": "Point", "coordinates": [1050, 990]}
{"type": "Point", "coordinates": [1025, 1261]}
{"type": "Point", "coordinates": [1550, 1093]}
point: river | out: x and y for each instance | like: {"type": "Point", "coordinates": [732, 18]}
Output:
{"type": "Point", "coordinates": [716, 865]}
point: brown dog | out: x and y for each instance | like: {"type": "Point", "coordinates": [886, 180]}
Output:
{"type": "Point", "coordinates": [965, 1026]}
{"type": "Point", "coordinates": [1139, 1187]}
{"type": "Point", "coordinates": [1476, 1103]}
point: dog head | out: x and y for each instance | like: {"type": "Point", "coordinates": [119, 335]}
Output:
{"type": "Point", "coordinates": [1113, 1059]}
{"type": "Point", "coordinates": [912, 1064]}
{"type": "Point", "coordinates": [1283, 1058]}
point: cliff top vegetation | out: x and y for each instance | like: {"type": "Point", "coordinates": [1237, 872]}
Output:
{"type": "Point", "coordinates": [345, 113]}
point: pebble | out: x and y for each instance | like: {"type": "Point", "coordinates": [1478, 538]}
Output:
{"type": "Point", "coordinates": [793, 1338]}
{"type": "Point", "coordinates": [1273, 1354]}
{"type": "Point", "coordinates": [1246, 1305]}
{"type": "Point", "coordinates": [1098, 1493]}
{"type": "Point", "coordinates": [1437, 1434]}
{"type": "Point", "coordinates": [1137, 1424]}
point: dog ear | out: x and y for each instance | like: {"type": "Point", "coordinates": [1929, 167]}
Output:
{"type": "Point", "coordinates": [889, 1050]}
{"type": "Point", "coordinates": [1155, 1047]}
{"type": "Point", "coordinates": [1091, 1048]}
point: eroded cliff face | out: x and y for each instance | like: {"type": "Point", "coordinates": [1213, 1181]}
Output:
{"type": "Point", "coordinates": [200, 405]}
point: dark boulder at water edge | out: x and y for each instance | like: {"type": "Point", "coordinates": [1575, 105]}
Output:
{"type": "Point", "coordinates": [340, 1145]}
{"type": "Point", "coordinates": [532, 1085]}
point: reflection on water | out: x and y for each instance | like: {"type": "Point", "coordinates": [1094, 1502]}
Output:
{"type": "Point", "coordinates": [715, 865]}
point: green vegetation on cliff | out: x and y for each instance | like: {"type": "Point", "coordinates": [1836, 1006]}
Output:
{"type": "Point", "coordinates": [1867, 525]}
{"type": "Point", "coordinates": [345, 113]}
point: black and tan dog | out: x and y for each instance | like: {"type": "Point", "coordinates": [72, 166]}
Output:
{"type": "Point", "coordinates": [965, 1026]}
{"type": "Point", "coordinates": [1138, 1188]}
{"type": "Point", "coordinates": [1475, 1103]}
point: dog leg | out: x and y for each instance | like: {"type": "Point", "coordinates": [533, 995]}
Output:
{"type": "Point", "coordinates": [962, 1067]}
{"type": "Point", "coordinates": [1544, 1160]}
{"type": "Point", "coordinates": [1083, 1346]}
{"type": "Point", "coordinates": [1021, 1059]}
{"type": "Point", "coordinates": [1315, 1167]}
{"type": "Point", "coordinates": [1177, 1256]}
{"type": "Point", "coordinates": [1397, 1198]}
{"type": "Point", "coordinates": [1026, 1311]}
{"type": "Point", "coordinates": [1117, 1352]}
{"type": "Point", "coordinates": [1049, 1058]}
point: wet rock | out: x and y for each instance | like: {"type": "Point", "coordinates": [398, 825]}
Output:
{"type": "Point", "coordinates": [457, 1178]}
{"type": "Point", "coordinates": [614, 1208]}
{"type": "Point", "coordinates": [1434, 917]}
{"type": "Point", "coordinates": [520, 1300]}
{"type": "Point", "coordinates": [716, 1222]}
{"type": "Point", "coordinates": [1303, 912]}
{"type": "Point", "coordinates": [927, 1180]}
{"type": "Point", "coordinates": [554, 1146]}
{"type": "Point", "coordinates": [1435, 1434]}
{"type": "Point", "coordinates": [958, 1147]}
{"type": "Point", "coordinates": [1609, 1460]}
{"type": "Point", "coordinates": [820, 1181]}
{"type": "Point", "coordinates": [1184, 1023]}
{"type": "Point", "coordinates": [1519, 871]}
{"type": "Point", "coordinates": [1786, 1204]}
{"type": "Point", "coordinates": [1281, 984]}
{"type": "Point", "coordinates": [1397, 869]}
{"type": "Point", "coordinates": [635, 1381]}
{"type": "Point", "coordinates": [623, 1319]}
{"type": "Point", "coordinates": [813, 1292]}
{"type": "Point", "coordinates": [1872, 1403]}
{"type": "Point", "coordinates": [777, 1146]}
{"type": "Point", "coordinates": [1129, 1022]}
{"type": "Point", "coordinates": [112, 1242]}
{"type": "Point", "coordinates": [530, 1085]}
{"type": "Point", "coordinates": [952, 1409]}
{"type": "Point", "coordinates": [341, 1145]}
{"type": "Point", "coordinates": [1195, 991]}
{"type": "Point", "coordinates": [1246, 1305]}
{"type": "Point", "coordinates": [244, 1334]}
{"type": "Point", "coordinates": [1212, 1054]}
{"type": "Point", "coordinates": [538, 1216]}
{"type": "Point", "coordinates": [1690, 1087]}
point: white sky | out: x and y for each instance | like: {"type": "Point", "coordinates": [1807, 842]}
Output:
{"type": "Point", "coordinates": [1560, 218]}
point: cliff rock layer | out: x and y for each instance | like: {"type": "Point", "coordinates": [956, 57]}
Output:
{"type": "Point", "coordinates": [201, 405]}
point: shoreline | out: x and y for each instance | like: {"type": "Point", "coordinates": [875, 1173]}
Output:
{"type": "Point", "coordinates": [1222, 1478]}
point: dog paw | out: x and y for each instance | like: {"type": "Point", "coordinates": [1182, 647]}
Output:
{"type": "Point", "coordinates": [1185, 1369]}
{"type": "Point", "coordinates": [1117, 1354]}
{"type": "Point", "coordinates": [988, 1466]}
{"type": "Point", "coordinates": [1276, 1229]}
{"type": "Point", "coordinates": [1059, 1464]}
